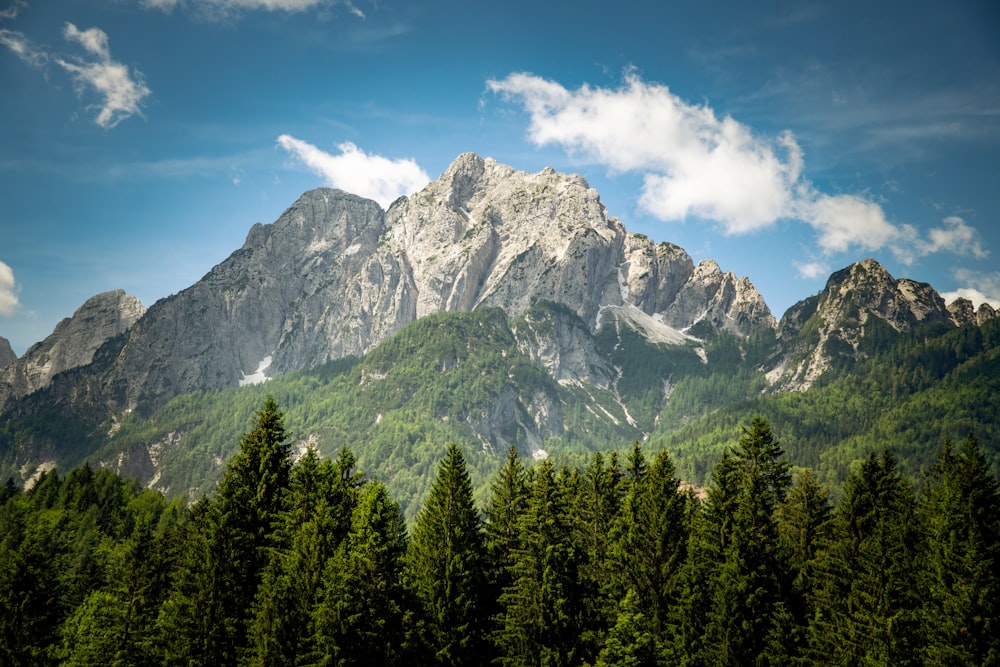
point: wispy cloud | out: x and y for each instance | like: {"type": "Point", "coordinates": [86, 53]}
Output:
{"type": "Point", "coordinates": [8, 290]}
{"type": "Point", "coordinates": [223, 9]}
{"type": "Point", "coordinates": [695, 164]}
{"type": "Point", "coordinates": [979, 288]}
{"type": "Point", "coordinates": [121, 90]}
{"type": "Point", "coordinates": [373, 176]}
{"type": "Point", "coordinates": [957, 237]}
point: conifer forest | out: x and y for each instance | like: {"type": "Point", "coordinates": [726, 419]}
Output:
{"type": "Point", "coordinates": [302, 560]}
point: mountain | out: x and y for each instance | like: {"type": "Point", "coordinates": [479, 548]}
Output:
{"type": "Point", "coordinates": [71, 345]}
{"type": "Point", "coordinates": [335, 275]}
{"type": "Point", "coordinates": [7, 355]}
{"type": "Point", "coordinates": [859, 305]}
{"type": "Point", "coordinates": [493, 308]}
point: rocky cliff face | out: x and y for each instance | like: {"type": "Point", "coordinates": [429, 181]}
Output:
{"type": "Point", "coordinates": [72, 344]}
{"type": "Point", "coordinates": [335, 275]}
{"type": "Point", "coordinates": [855, 303]}
{"type": "Point", "coordinates": [964, 314]}
{"type": "Point", "coordinates": [7, 356]}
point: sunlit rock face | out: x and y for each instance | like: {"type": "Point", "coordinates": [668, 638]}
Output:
{"type": "Point", "coordinates": [71, 344]}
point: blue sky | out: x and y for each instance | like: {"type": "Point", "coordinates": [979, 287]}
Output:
{"type": "Point", "coordinates": [140, 139]}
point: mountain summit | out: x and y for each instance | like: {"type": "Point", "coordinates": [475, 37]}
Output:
{"type": "Point", "coordinates": [335, 275]}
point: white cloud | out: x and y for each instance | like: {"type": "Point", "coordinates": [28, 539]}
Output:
{"type": "Point", "coordinates": [8, 290]}
{"type": "Point", "coordinates": [979, 288]}
{"type": "Point", "coordinates": [23, 48]}
{"type": "Point", "coordinates": [695, 164]}
{"type": "Point", "coordinates": [357, 172]}
{"type": "Point", "coordinates": [121, 90]}
{"type": "Point", "coordinates": [956, 237]}
{"type": "Point", "coordinates": [226, 8]}
{"type": "Point", "coordinates": [94, 40]}
{"type": "Point", "coordinates": [812, 270]}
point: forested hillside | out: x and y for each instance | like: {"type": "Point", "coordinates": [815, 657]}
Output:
{"type": "Point", "coordinates": [308, 561]}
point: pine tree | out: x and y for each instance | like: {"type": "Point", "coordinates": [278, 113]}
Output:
{"type": "Point", "coordinates": [630, 642]}
{"type": "Point", "coordinates": [804, 527]}
{"type": "Point", "coordinates": [507, 501]}
{"type": "Point", "coordinates": [867, 601]}
{"type": "Point", "coordinates": [961, 505]}
{"type": "Point", "coordinates": [651, 536]}
{"type": "Point", "coordinates": [596, 508]}
{"type": "Point", "coordinates": [359, 619]}
{"type": "Point", "coordinates": [737, 583]}
{"type": "Point", "coordinates": [446, 566]}
{"type": "Point", "coordinates": [226, 547]}
{"type": "Point", "coordinates": [541, 607]}
{"type": "Point", "coordinates": [322, 496]}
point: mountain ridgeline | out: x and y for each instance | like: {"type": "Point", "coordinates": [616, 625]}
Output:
{"type": "Point", "coordinates": [492, 308]}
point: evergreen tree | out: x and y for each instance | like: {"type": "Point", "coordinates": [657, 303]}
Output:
{"type": "Point", "coordinates": [322, 497]}
{"type": "Point", "coordinates": [359, 619]}
{"type": "Point", "coordinates": [867, 602]}
{"type": "Point", "coordinates": [737, 585]}
{"type": "Point", "coordinates": [508, 498]}
{"type": "Point", "coordinates": [651, 535]}
{"type": "Point", "coordinates": [630, 642]}
{"type": "Point", "coordinates": [541, 607]}
{"type": "Point", "coordinates": [804, 527]}
{"type": "Point", "coordinates": [446, 566]}
{"type": "Point", "coordinates": [961, 505]}
{"type": "Point", "coordinates": [595, 511]}
{"type": "Point", "coordinates": [226, 546]}
{"type": "Point", "coordinates": [194, 625]}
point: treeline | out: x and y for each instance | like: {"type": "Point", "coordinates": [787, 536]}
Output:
{"type": "Point", "coordinates": [311, 563]}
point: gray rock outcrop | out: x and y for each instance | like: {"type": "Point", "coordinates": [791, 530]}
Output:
{"type": "Point", "coordinates": [834, 322]}
{"type": "Point", "coordinates": [71, 344]}
{"type": "Point", "coordinates": [7, 356]}
{"type": "Point", "coordinates": [335, 275]}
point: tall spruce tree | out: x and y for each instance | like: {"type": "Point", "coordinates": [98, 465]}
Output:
{"type": "Point", "coordinates": [651, 535]}
{"type": "Point", "coordinates": [446, 566]}
{"type": "Point", "coordinates": [867, 601]}
{"type": "Point", "coordinates": [541, 608]}
{"type": "Point", "coordinates": [596, 508]}
{"type": "Point", "coordinates": [507, 500]}
{"type": "Point", "coordinates": [359, 618]}
{"type": "Point", "coordinates": [226, 548]}
{"type": "Point", "coordinates": [322, 496]}
{"type": "Point", "coordinates": [961, 508]}
{"type": "Point", "coordinates": [736, 589]}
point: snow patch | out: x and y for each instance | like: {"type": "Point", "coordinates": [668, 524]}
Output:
{"type": "Point", "coordinates": [259, 375]}
{"type": "Point", "coordinates": [539, 455]}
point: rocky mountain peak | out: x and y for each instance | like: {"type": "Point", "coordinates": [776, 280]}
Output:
{"type": "Point", "coordinates": [856, 301]}
{"type": "Point", "coordinates": [7, 355]}
{"type": "Point", "coordinates": [72, 343]}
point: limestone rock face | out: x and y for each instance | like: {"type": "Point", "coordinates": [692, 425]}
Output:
{"type": "Point", "coordinates": [71, 344]}
{"type": "Point", "coordinates": [855, 301]}
{"type": "Point", "coordinates": [317, 284]}
{"type": "Point", "coordinates": [7, 356]}
{"type": "Point", "coordinates": [335, 275]}
{"type": "Point", "coordinates": [485, 234]}
{"type": "Point", "coordinates": [962, 312]}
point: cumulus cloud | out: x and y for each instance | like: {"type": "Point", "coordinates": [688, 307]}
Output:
{"type": "Point", "coordinates": [121, 90]}
{"type": "Point", "coordinates": [694, 163]}
{"type": "Point", "coordinates": [357, 172]}
{"type": "Point", "coordinates": [979, 288]}
{"type": "Point", "coordinates": [226, 8]}
{"type": "Point", "coordinates": [697, 164]}
{"type": "Point", "coordinates": [956, 237]}
{"type": "Point", "coordinates": [8, 290]}
{"type": "Point", "coordinates": [812, 270]}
